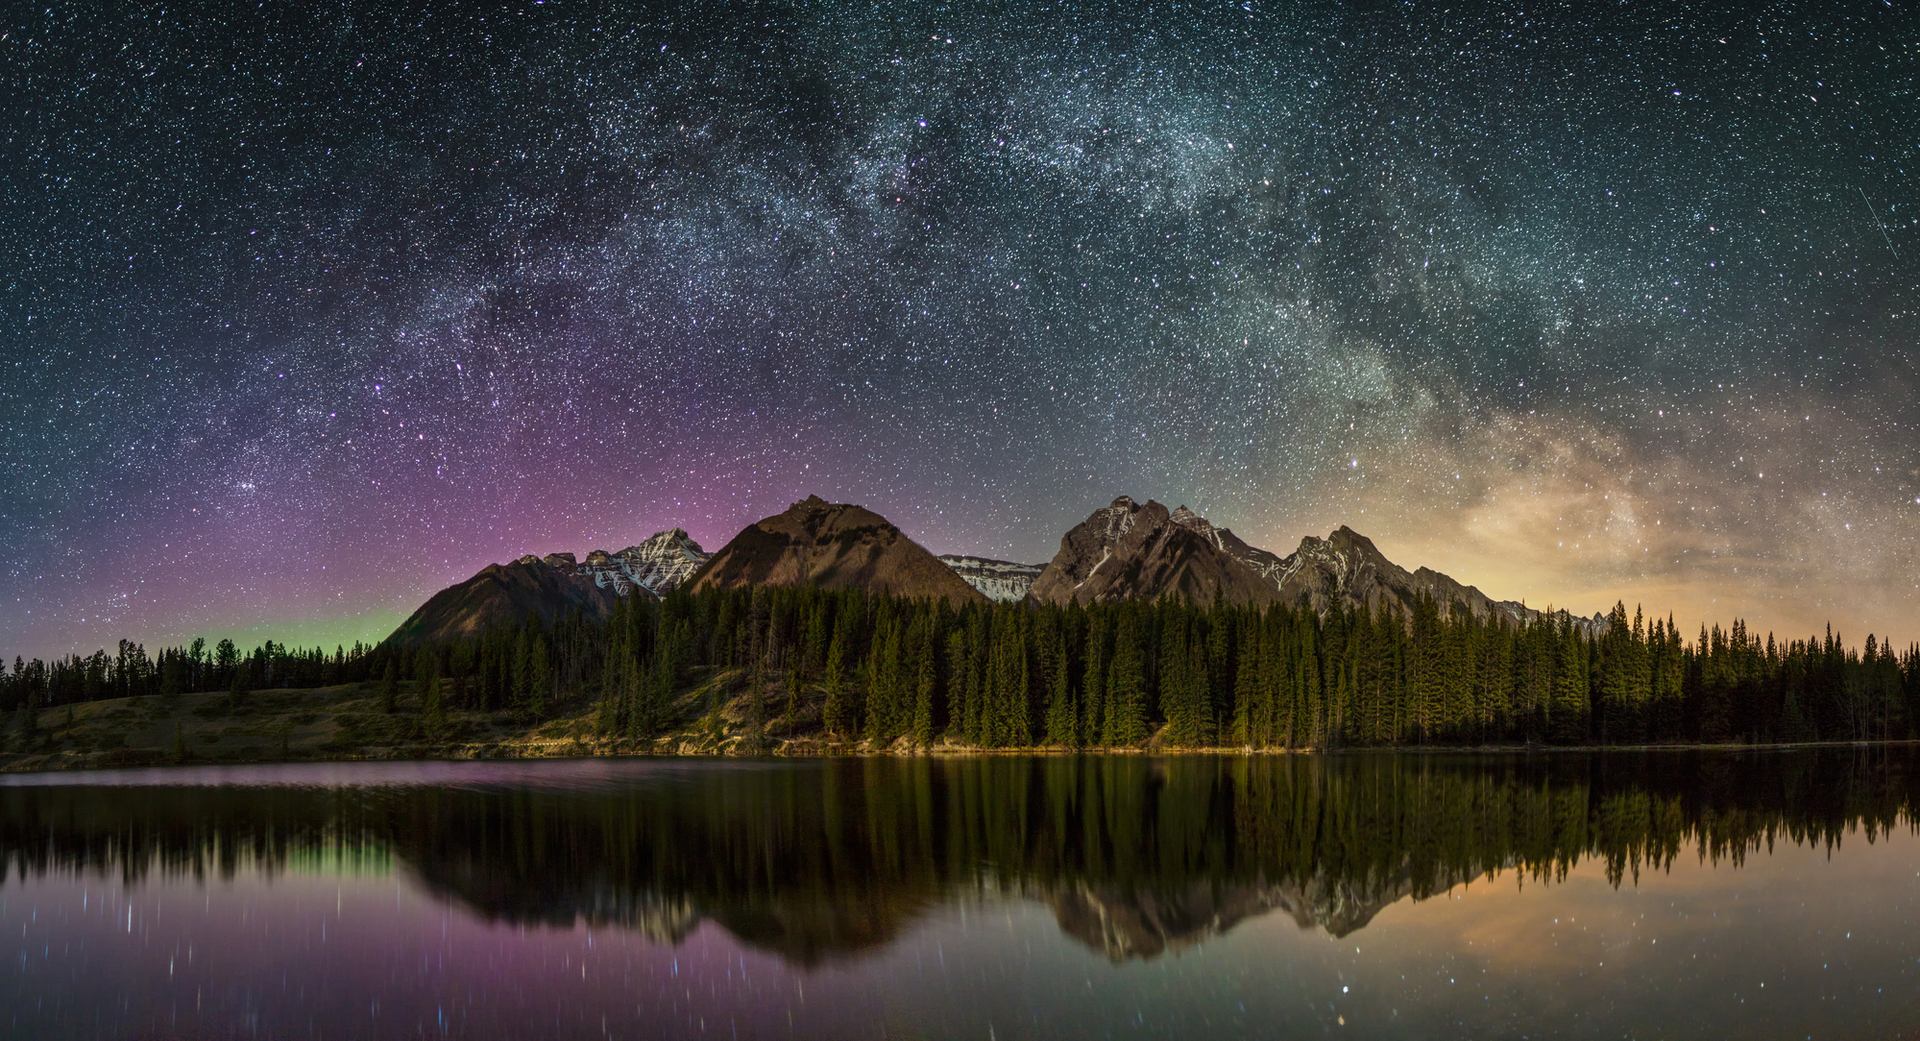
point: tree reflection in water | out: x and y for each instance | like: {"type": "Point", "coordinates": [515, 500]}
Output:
{"type": "Point", "coordinates": [815, 860]}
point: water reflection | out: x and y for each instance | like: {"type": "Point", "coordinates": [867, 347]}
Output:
{"type": "Point", "coordinates": [819, 862]}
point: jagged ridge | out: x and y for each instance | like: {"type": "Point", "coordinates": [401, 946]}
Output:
{"type": "Point", "coordinates": [1129, 550]}
{"type": "Point", "coordinates": [1124, 550]}
{"type": "Point", "coordinates": [659, 565]}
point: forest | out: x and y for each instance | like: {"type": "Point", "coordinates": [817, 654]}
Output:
{"type": "Point", "coordinates": [857, 669]}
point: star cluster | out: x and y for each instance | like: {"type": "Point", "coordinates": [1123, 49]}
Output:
{"type": "Point", "coordinates": [314, 308]}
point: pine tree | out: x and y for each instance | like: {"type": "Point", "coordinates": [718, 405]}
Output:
{"type": "Point", "coordinates": [390, 689]}
{"type": "Point", "coordinates": [610, 718]}
{"type": "Point", "coordinates": [755, 717]}
{"type": "Point", "coordinates": [539, 679]}
{"type": "Point", "coordinates": [813, 645]}
{"type": "Point", "coordinates": [1246, 687]}
{"type": "Point", "coordinates": [1126, 701]}
{"type": "Point", "coordinates": [1183, 685]}
{"type": "Point", "coordinates": [839, 715]}
{"type": "Point", "coordinates": [523, 670]}
{"type": "Point", "coordinates": [1063, 730]}
{"type": "Point", "coordinates": [791, 688]}
{"type": "Point", "coordinates": [1567, 715]}
{"type": "Point", "coordinates": [962, 691]}
{"type": "Point", "coordinates": [653, 693]}
{"type": "Point", "coordinates": [1093, 711]}
{"type": "Point", "coordinates": [925, 681]}
{"type": "Point", "coordinates": [433, 711]}
{"type": "Point", "coordinates": [1305, 711]}
{"type": "Point", "coordinates": [1008, 679]}
{"type": "Point", "coordinates": [636, 685]}
{"type": "Point", "coordinates": [1429, 671]}
{"type": "Point", "coordinates": [887, 708]}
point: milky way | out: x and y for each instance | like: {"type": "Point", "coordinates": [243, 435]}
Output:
{"type": "Point", "coordinates": [311, 311]}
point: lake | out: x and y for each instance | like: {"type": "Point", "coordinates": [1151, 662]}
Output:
{"type": "Point", "coordinates": [1644, 895]}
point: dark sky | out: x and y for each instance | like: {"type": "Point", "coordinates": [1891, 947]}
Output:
{"type": "Point", "coordinates": [311, 311]}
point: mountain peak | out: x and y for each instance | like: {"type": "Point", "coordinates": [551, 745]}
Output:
{"type": "Point", "coordinates": [1128, 551]}
{"type": "Point", "coordinates": [530, 587]}
{"type": "Point", "coordinates": [658, 565]}
{"type": "Point", "coordinates": [836, 545]}
{"type": "Point", "coordinates": [1346, 537]}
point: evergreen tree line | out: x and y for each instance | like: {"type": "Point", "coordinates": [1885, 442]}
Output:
{"type": "Point", "coordinates": [132, 672]}
{"type": "Point", "coordinates": [889, 671]}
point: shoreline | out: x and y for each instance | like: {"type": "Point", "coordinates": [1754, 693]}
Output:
{"type": "Point", "coordinates": [573, 748]}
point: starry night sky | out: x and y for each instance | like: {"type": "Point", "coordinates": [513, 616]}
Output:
{"type": "Point", "coordinates": [311, 311]}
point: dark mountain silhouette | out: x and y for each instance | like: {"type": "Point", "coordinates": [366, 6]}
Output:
{"type": "Point", "coordinates": [835, 545]}
{"type": "Point", "coordinates": [547, 588]}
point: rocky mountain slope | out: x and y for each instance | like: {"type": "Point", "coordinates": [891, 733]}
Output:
{"type": "Point", "coordinates": [835, 545]}
{"type": "Point", "coordinates": [547, 588]}
{"type": "Point", "coordinates": [657, 566]}
{"type": "Point", "coordinates": [999, 580]}
{"type": "Point", "coordinates": [1129, 550]}
{"type": "Point", "coordinates": [1346, 568]}
{"type": "Point", "coordinates": [550, 587]}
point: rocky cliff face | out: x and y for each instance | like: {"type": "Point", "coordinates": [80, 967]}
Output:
{"type": "Point", "coordinates": [836, 545]}
{"type": "Point", "coordinates": [657, 566]}
{"type": "Point", "coordinates": [1345, 568]}
{"type": "Point", "coordinates": [999, 580]}
{"type": "Point", "coordinates": [1129, 550]}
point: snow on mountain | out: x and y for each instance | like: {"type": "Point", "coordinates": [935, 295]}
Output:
{"type": "Point", "coordinates": [1000, 580]}
{"type": "Point", "coordinates": [659, 565]}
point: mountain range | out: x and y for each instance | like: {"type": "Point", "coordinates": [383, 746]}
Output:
{"type": "Point", "coordinates": [1126, 550]}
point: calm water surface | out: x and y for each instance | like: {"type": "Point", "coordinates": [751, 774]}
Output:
{"type": "Point", "coordinates": [1630, 895]}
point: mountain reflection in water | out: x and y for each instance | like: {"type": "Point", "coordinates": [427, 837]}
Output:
{"type": "Point", "coordinates": [817, 861]}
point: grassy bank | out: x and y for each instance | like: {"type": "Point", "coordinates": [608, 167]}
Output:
{"type": "Point", "coordinates": [348, 722]}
